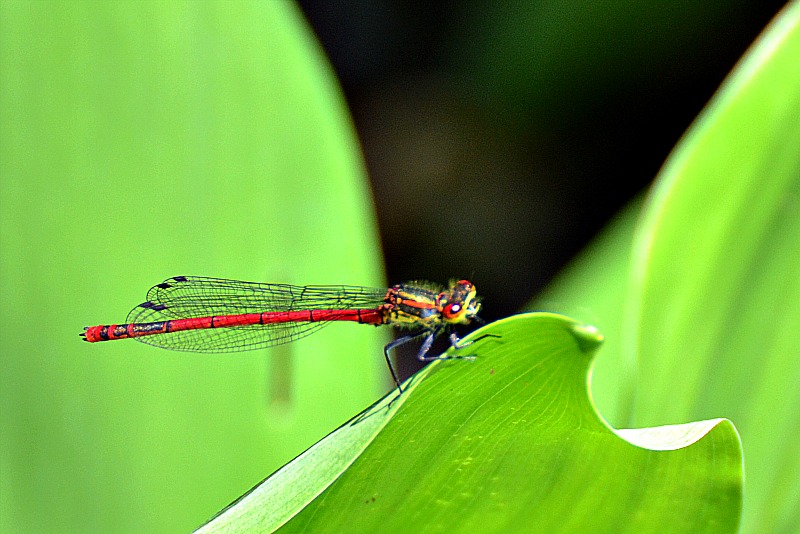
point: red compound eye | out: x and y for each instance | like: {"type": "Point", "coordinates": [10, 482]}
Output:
{"type": "Point", "coordinates": [451, 310]}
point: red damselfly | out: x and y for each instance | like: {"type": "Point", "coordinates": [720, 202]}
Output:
{"type": "Point", "coordinates": [197, 314]}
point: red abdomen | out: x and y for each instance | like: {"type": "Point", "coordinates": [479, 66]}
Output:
{"type": "Point", "coordinates": [94, 334]}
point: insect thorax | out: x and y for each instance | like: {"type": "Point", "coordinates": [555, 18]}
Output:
{"type": "Point", "coordinates": [413, 306]}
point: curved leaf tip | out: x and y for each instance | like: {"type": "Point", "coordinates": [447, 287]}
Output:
{"type": "Point", "coordinates": [588, 337]}
{"type": "Point", "coordinates": [672, 437]}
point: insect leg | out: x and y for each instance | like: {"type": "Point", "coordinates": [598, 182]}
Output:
{"type": "Point", "coordinates": [456, 342]}
{"type": "Point", "coordinates": [396, 343]}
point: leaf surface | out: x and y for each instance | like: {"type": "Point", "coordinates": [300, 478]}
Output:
{"type": "Point", "coordinates": [511, 442]}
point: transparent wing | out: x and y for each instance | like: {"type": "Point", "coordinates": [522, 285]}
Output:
{"type": "Point", "coordinates": [185, 297]}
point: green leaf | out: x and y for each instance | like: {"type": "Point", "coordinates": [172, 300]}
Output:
{"type": "Point", "coordinates": [715, 287]}
{"type": "Point", "coordinates": [142, 140]}
{"type": "Point", "coordinates": [710, 308]}
{"type": "Point", "coordinates": [508, 442]}
{"type": "Point", "coordinates": [592, 289]}
{"type": "Point", "coordinates": [281, 496]}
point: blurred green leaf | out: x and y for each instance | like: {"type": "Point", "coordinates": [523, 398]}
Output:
{"type": "Point", "coordinates": [141, 141]}
{"type": "Point", "coordinates": [716, 277]}
{"type": "Point", "coordinates": [710, 308]}
{"type": "Point", "coordinates": [507, 443]}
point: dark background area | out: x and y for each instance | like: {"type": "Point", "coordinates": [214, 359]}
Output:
{"type": "Point", "coordinates": [500, 137]}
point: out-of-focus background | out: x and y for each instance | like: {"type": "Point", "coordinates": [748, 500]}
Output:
{"type": "Point", "coordinates": [500, 137]}
{"type": "Point", "coordinates": [147, 140]}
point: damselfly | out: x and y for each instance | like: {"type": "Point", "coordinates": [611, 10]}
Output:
{"type": "Point", "coordinates": [197, 314]}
